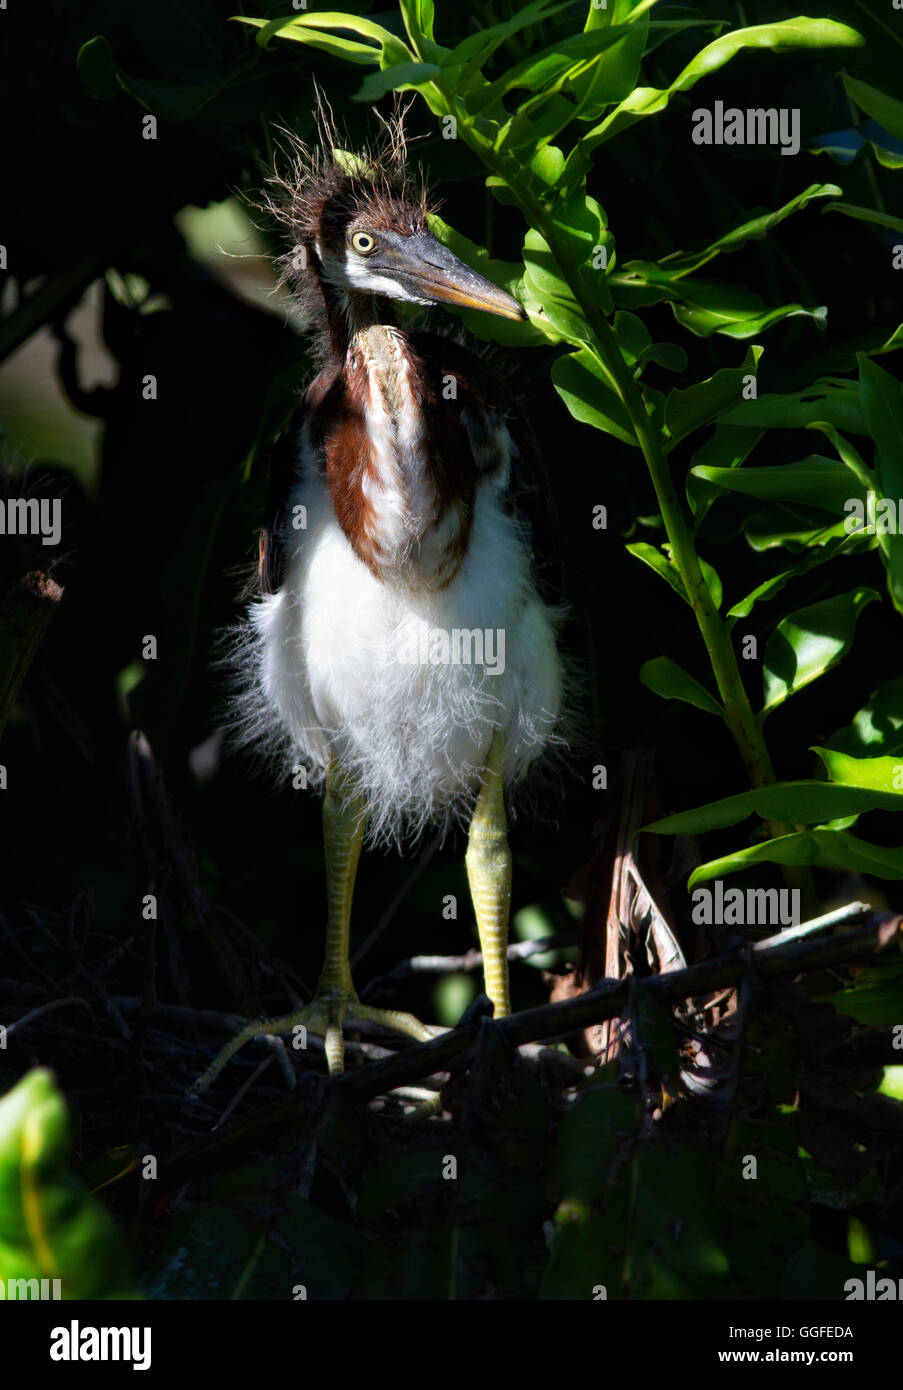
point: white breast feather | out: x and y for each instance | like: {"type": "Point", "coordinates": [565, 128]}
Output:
{"type": "Point", "coordinates": [326, 665]}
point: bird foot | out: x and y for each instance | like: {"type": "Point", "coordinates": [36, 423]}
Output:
{"type": "Point", "coordinates": [325, 1015]}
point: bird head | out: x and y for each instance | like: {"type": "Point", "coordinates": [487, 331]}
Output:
{"type": "Point", "coordinates": [359, 228]}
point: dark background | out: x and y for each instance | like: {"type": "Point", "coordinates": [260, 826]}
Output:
{"type": "Point", "coordinates": [161, 505]}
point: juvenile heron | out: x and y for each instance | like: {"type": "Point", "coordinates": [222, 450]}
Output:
{"type": "Point", "coordinates": [400, 649]}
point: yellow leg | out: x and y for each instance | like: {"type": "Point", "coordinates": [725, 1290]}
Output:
{"type": "Point", "coordinates": [344, 822]}
{"type": "Point", "coordinates": [488, 863]}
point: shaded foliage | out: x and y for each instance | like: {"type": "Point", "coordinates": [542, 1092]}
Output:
{"type": "Point", "coordinates": [660, 279]}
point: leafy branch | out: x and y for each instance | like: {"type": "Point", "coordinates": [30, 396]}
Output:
{"type": "Point", "coordinates": [536, 127]}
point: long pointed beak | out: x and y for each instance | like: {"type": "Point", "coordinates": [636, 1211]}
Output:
{"type": "Point", "coordinates": [433, 273]}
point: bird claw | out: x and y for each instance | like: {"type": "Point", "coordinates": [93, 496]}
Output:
{"type": "Point", "coordinates": [324, 1015]}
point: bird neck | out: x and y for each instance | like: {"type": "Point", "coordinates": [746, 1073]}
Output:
{"type": "Point", "coordinates": [385, 463]}
{"type": "Point", "coordinates": [348, 314]}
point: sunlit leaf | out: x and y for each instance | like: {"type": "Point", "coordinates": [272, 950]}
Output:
{"type": "Point", "coordinates": [508, 275]}
{"type": "Point", "coordinates": [400, 77]}
{"type": "Point", "coordinates": [588, 395]}
{"type": "Point", "coordinates": [653, 557]}
{"type": "Point", "coordinates": [703, 307]}
{"type": "Point", "coordinates": [835, 401]}
{"type": "Point", "coordinates": [877, 727]}
{"type": "Point", "coordinates": [51, 1227]}
{"type": "Point", "coordinates": [804, 802]}
{"type": "Point", "coordinates": [786, 35]}
{"type": "Point", "coordinates": [815, 481]}
{"type": "Point", "coordinates": [690, 409]}
{"type": "Point", "coordinates": [810, 642]}
{"type": "Point", "coordinates": [547, 296]}
{"type": "Point", "coordinates": [310, 29]}
{"type": "Point", "coordinates": [474, 51]}
{"type": "Point", "coordinates": [823, 848]}
{"type": "Point", "coordinates": [672, 682]}
{"type": "Point", "coordinates": [419, 17]}
{"type": "Point", "coordinates": [883, 774]}
{"type": "Point", "coordinates": [791, 528]}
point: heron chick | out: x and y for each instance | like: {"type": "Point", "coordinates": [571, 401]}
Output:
{"type": "Point", "coordinates": [400, 648]}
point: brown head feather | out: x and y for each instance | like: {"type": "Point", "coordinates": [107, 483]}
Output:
{"type": "Point", "coordinates": [314, 198]}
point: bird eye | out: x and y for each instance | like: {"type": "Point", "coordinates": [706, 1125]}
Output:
{"type": "Point", "coordinates": [363, 243]}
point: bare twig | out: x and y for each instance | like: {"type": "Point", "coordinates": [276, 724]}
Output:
{"type": "Point", "coordinates": [841, 916]}
{"type": "Point", "coordinates": [609, 998]}
{"type": "Point", "coordinates": [46, 1009]}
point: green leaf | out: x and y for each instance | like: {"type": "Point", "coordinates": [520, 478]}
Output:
{"type": "Point", "coordinates": [703, 307]}
{"type": "Point", "coordinates": [892, 1082]}
{"type": "Point", "coordinates": [823, 849]}
{"type": "Point", "coordinates": [307, 28]}
{"type": "Point", "coordinates": [97, 69]}
{"type": "Point", "coordinates": [708, 313]}
{"type": "Point", "coordinates": [508, 275]}
{"type": "Point", "coordinates": [653, 557]}
{"type": "Point", "coordinates": [686, 262]}
{"type": "Point", "coordinates": [228, 1249]}
{"type": "Point", "coordinates": [874, 999]}
{"type": "Point", "coordinates": [400, 77]}
{"type": "Point", "coordinates": [810, 642]}
{"type": "Point", "coordinates": [581, 383]}
{"type": "Point", "coordinates": [474, 51]}
{"type": "Point", "coordinates": [882, 219]}
{"type": "Point", "coordinates": [847, 454]}
{"type": "Point", "coordinates": [672, 682]}
{"type": "Point", "coordinates": [811, 560]}
{"type": "Point", "coordinates": [587, 1249]}
{"type": "Point", "coordinates": [418, 16]}
{"type": "Point", "coordinates": [804, 802]}
{"type": "Point", "coordinates": [882, 399]}
{"type": "Point", "coordinates": [171, 101]}
{"type": "Point", "coordinates": [882, 774]}
{"type": "Point", "coordinates": [881, 107]}
{"type": "Point", "coordinates": [547, 297]}
{"type": "Point", "coordinates": [542, 68]}
{"type": "Point", "coordinates": [633, 336]}
{"type": "Point", "coordinates": [614, 73]}
{"type": "Point", "coordinates": [787, 34]}
{"type": "Point", "coordinates": [581, 237]}
{"type": "Point", "coordinates": [670, 356]}
{"type": "Point", "coordinates": [50, 1225]}
{"type": "Point", "coordinates": [667, 1260]}
{"type": "Point", "coordinates": [826, 399]}
{"type": "Point", "coordinates": [882, 402]}
{"type": "Point", "coordinates": [713, 582]}
{"type": "Point", "coordinates": [877, 726]}
{"type": "Point", "coordinates": [591, 1133]}
{"type": "Point", "coordinates": [815, 481]}
{"type": "Point", "coordinates": [729, 446]}
{"type": "Point", "coordinates": [688, 410]}
{"type": "Point", "coordinates": [111, 1167]}
{"type": "Point", "coordinates": [789, 526]}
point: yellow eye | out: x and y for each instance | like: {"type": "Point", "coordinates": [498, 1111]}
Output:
{"type": "Point", "coordinates": [363, 243]}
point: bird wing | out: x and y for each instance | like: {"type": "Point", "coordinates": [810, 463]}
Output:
{"type": "Point", "coordinates": [529, 494]}
{"type": "Point", "coordinates": [283, 471]}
